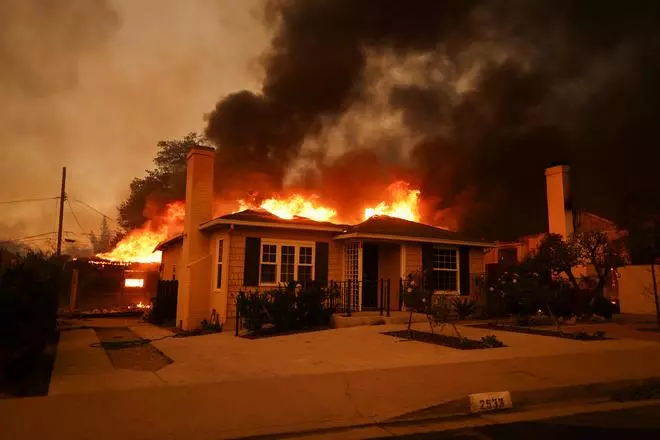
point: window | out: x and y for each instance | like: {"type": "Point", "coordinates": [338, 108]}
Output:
{"type": "Point", "coordinates": [268, 263]}
{"type": "Point", "coordinates": [287, 272]}
{"type": "Point", "coordinates": [218, 280]}
{"type": "Point", "coordinates": [305, 264]}
{"type": "Point", "coordinates": [286, 262]}
{"type": "Point", "coordinates": [445, 270]}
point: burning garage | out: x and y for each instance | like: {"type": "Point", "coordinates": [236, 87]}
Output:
{"type": "Point", "coordinates": [104, 285]}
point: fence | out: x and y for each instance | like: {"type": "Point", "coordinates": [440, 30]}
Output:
{"type": "Point", "coordinates": [355, 296]}
{"type": "Point", "coordinates": [165, 302]}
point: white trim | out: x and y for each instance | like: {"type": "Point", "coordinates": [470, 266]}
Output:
{"type": "Point", "coordinates": [355, 235]}
{"type": "Point", "coordinates": [222, 221]}
{"type": "Point", "coordinates": [216, 254]}
{"type": "Point", "coordinates": [278, 257]}
{"type": "Point", "coordinates": [457, 270]}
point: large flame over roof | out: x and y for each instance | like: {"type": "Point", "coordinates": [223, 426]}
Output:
{"type": "Point", "coordinates": [400, 200]}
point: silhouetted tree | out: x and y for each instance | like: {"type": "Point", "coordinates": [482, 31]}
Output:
{"type": "Point", "coordinates": [164, 183]}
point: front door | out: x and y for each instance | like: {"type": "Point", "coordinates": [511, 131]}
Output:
{"type": "Point", "coordinates": [370, 275]}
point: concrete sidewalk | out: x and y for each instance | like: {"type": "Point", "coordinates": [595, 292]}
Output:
{"type": "Point", "coordinates": [294, 403]}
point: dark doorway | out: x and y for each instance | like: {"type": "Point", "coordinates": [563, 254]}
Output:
{"type": "Point", "coordinates": [370, 276]}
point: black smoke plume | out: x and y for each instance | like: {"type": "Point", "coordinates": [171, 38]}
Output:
{"type": "Point", "coordinates": [503, 90]}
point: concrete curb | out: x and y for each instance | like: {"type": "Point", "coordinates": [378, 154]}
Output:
{"type": "Point", "coordinates": [600, 392]}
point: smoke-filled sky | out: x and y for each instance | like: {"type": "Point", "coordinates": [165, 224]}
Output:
{"type": "Point", "coordinates": [94, 85]}
{"type": "Point", "coordinates": [468, 99]}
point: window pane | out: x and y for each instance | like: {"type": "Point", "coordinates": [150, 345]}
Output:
{"type": "Point", "coordinates": [288, 260]}
{"type": "Point", "coordinates": [444, 258]}
{"type": "Point", "coordinates": [269, 253]}
{"type": "Point", "coordinates": [305, 255]}
{"type": "Point", "coordinates": [444, 280]}
{"type": "Point", "coordinates": [220, 248]}
{"type": "Point", "coordinates": [304, 273]}
{"type": "Point", "coordinates": [218, 281]}
{"type": "Point", "coordinates": [268, 273]}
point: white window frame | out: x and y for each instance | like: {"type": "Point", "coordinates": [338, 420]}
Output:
{"type": "Point", "coordinates": [278, 258]}
{"type": "Point", "coordinates": [441, 269]}
{"type": "Point", "coordinates": [219, 264]}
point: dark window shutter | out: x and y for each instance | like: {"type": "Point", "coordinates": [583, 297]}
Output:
{"type": "Point", "coordinates": [427, 265]}
{"type": "Point", "coordinates": [252, 254]}
{"type": "Point", "coordinates": [321, 263]}
{"type": "Point", "coordinates": [464, 269]}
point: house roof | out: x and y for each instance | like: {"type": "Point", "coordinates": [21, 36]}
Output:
{"type": "Point", "coordinates": [169, 242]}
{"type": "Point", "coordinates": [391, 228]}
{"type": "Point", "coordinates": [263, 218]}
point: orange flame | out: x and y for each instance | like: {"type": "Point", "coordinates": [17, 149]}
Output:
{"type": "Point", "coordinates": [295, 205]}
{"type": "Point", "coordinates": [404, 203]}
{"type": "Point", "coordinates": [138, 246]}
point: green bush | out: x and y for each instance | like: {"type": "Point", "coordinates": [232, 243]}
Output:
{"type": "Point", "coordinates": [464, 307]}
{"type": "Point", "coordinates": [252, 309]}
{"type": "Point", "coordinates": [295, 306]}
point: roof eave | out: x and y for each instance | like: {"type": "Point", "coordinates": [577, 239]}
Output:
{"type": "Point", "coordinates": [355, 235]}
{"type": "Point", "coordinates": [220, 222]}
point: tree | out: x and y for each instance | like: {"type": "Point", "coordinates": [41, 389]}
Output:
{"type": "Point", "coordinates": [595, 249]}
{"type": "Point", "coordinates": [101, 243]}
{"type": "Point", "coordinates": [164, 183]}
{"type": "Point", "coordinates": [554, 256]}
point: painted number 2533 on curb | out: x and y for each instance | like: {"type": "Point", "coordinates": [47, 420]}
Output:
{"type": "Point", "coordinates": [490, 401]}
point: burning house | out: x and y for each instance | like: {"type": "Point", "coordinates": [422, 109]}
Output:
{"type": "Point", "coordinates": [215, 258]}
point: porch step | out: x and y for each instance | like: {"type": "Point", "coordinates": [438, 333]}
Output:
{"type": "Point", "coordinates": [374, 318]}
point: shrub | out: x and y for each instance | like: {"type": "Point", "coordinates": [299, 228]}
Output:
{"type": "Point", "coordinates": [252, 309]}
{"type": "Point", "coordinates": [600, 334]}
{"type": "Point", "coordinates": [28, 308]}
{"type": "Point", "coordinates": [295, 306]}
{"type": "Point", "coordinates": [580, 335]}
{"type": "Point", "coordinates": [464, 307]}
{"type": "Point", "coordinates": [212, 327]}
{"type": "Point", "coordinates": [492, 341]}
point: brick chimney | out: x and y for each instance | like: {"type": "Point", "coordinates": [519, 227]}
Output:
{"type": "Point", "coordinates": [560, 212]}
{"type": "Point", "coordinates": [194, 279]}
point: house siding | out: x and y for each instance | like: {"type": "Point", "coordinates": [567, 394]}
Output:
{"type": "Point", "coordinates": [236, 258]}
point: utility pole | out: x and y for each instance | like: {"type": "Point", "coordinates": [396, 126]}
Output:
{"type": "Point", "coordinates": [62, 198]}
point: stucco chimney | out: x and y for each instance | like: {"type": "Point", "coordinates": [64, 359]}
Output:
{"type": "Point", "coordinates": [194, 282]}
{"type": "Point", "coordinates": [560, 213]}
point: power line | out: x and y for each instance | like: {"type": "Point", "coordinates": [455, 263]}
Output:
{"type": "Point", "coordinates": [74, 215]}
{"type": "Point", "coordinates": [6, 202]}
{"type": "Point", "coordinates": [28, 237]}
{"type": "Point", "coordinates": [94, 209]}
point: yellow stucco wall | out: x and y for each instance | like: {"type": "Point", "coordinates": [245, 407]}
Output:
{"type": "Point", "coordinates": [171, 262]}
{"type": "Point", "coordinates": [389, 268]}
{"type": "Point", "coordinates": [193, 296]}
